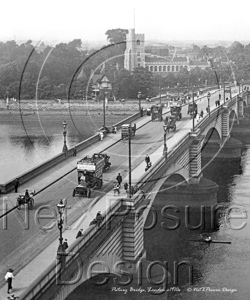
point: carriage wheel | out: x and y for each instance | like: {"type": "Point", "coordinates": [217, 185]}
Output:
{"type": "Point", "coordinates": [74, 192]}
{"type": "Point", "coordinates": [31, 203]}
{"type": "Point", "coordinates": [88, 193]}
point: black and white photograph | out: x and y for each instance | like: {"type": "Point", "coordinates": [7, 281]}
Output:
{"type": "Point", "coordinates": [124, 150]}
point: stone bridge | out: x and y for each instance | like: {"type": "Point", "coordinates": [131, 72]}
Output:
{"type": "Point", "coordinates": [118, 245]}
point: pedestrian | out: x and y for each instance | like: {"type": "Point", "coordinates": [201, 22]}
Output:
{"type": "Point", "coordinates": [219, 96]}
{"type": "Point", "coordinates": [8, 277]}
{"type": "Point", "coordinates": [74, 151]}
{"type": "Point", "coordinates": [147, 160]}
{"type": "Point", "coordinates": [79, 234]}
{"type": "Point", "coordinates": [119, 178]}
{"type": "Point", "coordinates": [197, 117]}
{"type": "Point", "coordinates": [116, 188]}
{"type": "Point", "coordinates": [101, 135]}
{"type": "Point", "coordinates": [125, 186]}
{"type": "Point", "coordinates": [201, 114]}
{"type": "Point", "coordinates": [65, 245]}
{"type": "Point", "coordinates": [16, 185]}
{"type": "Point", "coordinates": [99, 218]}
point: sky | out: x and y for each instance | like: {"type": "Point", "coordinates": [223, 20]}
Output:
{"type": "Point", "coordinates": [182, 20]}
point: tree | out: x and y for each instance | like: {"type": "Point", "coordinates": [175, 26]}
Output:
{"type": "Point", "coordinates": [115, 36]}
{"type": "Point", "coordinates": [143, 82]}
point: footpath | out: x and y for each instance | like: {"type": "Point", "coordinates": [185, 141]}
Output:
{"type": "Point", "coordinates": [42, 261]}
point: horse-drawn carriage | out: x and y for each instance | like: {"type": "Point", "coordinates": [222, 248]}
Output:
{"type": "Point", "coordinates": [26, 200]}
{"type": "Point", "coordinates": [171, 123]}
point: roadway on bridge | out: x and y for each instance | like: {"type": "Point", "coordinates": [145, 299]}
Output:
{"type": "Point", "coordinates": [20, 243]}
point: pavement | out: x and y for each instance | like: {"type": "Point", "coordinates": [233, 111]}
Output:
{"type": "Point", "coordinates": [42, 261]}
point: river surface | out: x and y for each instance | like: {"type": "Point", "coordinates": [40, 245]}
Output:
{"type": "Point", "coordinates": [28, 140]}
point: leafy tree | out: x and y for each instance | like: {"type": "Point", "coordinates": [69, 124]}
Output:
{"type": "Point", "coordinates": [115, 36]}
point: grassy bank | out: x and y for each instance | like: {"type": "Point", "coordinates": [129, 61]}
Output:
{"type": "Point", "coordinates": [32, 106]}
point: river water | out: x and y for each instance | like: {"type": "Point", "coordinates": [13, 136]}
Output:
{"type": "Point", "coordinates": [28, 140]}
{"type": "Point", "coordinates": [220, 271]}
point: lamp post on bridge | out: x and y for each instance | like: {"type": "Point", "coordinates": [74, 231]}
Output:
{"type": "Point", "coordinates": [105, 86]}
{"type": "Point", "coordinates": [165, 148]}
{"type": "Point", "coordinates": [129, 161]}
{"type": "Point", "coordinates": [139, 98]}
{"type": "Point", "coordinates": [193, 107]}
{"type": "Point", "coordinates": [242, 80]}
{"type": "Point", "coordinates": [65, 148]}
{"type": "Point", "coordinates": [208, 102]}
{"type": "Point", "coordinates": [61, 207]}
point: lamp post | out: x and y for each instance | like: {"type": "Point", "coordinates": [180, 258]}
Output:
{"type": "Point", "coordinates": [129, 160]}
{"type": "Point", "coordinates": [208, 102]}
{"type": "Point", "coordinates": [60, 207]}
{"type": "Point", "coordinates": [242, 80]}
{"type": "Point", "coordinates": [165, 148]}
{"type": "Point", "coordinates": [224, 93]}
{"type": "Point", "coordinates": [193, 107]}
{"type": "Point", "coordinates": [139, 98]}
{"type": "Point", "coordinates": [65, 148]}
{"type": "Point", "coordinates": [105, 85]}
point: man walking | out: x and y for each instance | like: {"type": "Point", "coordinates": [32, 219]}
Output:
{"type": "Point", "coordinates": [16, 185]}
{"type": "Point", "coordinates": [147, 160]}
{"type": "Point", "coordinates": [8, 277]}
{"type": "Point", "coordinates": [119, 178]}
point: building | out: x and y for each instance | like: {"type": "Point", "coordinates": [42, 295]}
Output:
{"type": "Point", "coordinates": [135, 56]}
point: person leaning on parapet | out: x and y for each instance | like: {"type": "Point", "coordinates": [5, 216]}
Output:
{"type": "Point", "coordinates": [79, 233]}
{"type": "Point", "coordinates": [65, 245]}
{"type": "Point", "coordinates": [101, 135]}
{"type": "Point", "coordinates": [16, 185]}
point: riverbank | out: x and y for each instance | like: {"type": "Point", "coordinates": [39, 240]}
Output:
{"type": "Point", "coordinates": [76, 107]}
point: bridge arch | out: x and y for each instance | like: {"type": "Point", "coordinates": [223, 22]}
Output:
{"type": "Point", "coordinates": [213, 129]}
{"type": "Point", "coordinates": [175, 179]}
{"type": "Point", "coordinates": [232, 117]}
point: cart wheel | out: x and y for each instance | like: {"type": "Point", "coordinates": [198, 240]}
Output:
{"type": "Point", "coordinates": [31, 203]}
{"type": "Point", "coordinates": [17, 204]}
{"type": "Point", "coordinates": [74, 192]}
{"type": "Point", "coordinates": [89, 193]}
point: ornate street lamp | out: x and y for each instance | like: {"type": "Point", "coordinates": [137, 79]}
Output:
{"type": "Point", "coordinates": [242, 81]}
{"type": "Point", "coordinates": [105, 85]}
{"type": "Point", "coordinates": [61, 207]}
{"type": "Point", "coordinates": [208, 102]}
{"type": "Point", "coordinates": [139, 98]}
{"type": "Point", "coordinates": [165, 148]}
{"type": "Point", "coordinates": [129, 161]}
{"type": "Point", "coordinates": [65, 148]}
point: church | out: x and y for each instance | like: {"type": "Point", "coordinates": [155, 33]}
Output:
{"type": "Point", "coordinates": [136, 56]}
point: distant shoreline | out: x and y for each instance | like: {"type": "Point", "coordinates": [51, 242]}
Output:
{"type": "Point", "coordinates": [48, 107]}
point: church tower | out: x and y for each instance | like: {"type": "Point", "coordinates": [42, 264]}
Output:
{"type": "Point", "coordinates": [134, 55]}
